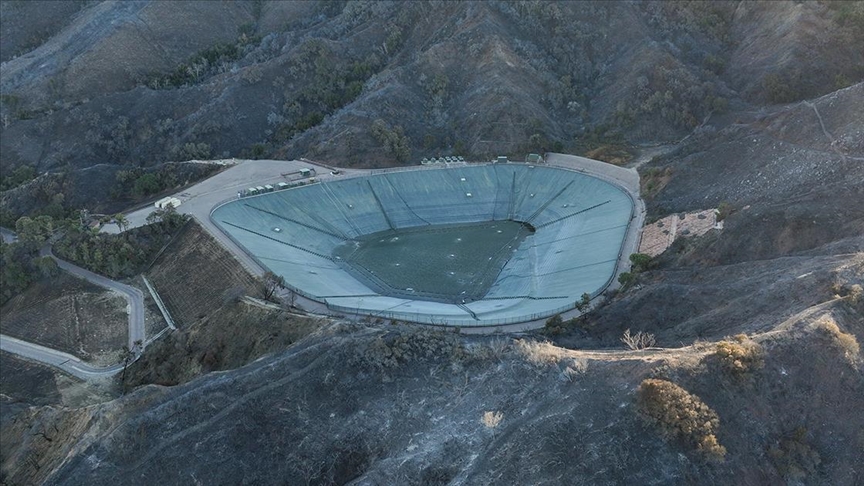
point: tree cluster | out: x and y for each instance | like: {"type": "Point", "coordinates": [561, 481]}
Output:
{"type": "Point", "coordinates": [329, 83]}
{"type": "Point", "coordinates": [205, 63]}
{"type": "Point", "coordinates": [20, 266]}
{"type": "Point", "coordinates": [120, 255]}
{"type": "Point", "coordinates": [137, 182]}
{"type": "Point", "coordinates": [15, 178]}
{"type": "Point", "coordinates": [393, 139]}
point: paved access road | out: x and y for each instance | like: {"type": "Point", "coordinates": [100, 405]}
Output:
{"type": "Point", "coordinates": [134, 297]}
{"type": "Point", "coordinates": [67, 362]}
{"type": "Point", "coordinates": [58, 359]}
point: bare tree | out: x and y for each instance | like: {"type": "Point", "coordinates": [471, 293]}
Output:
{"type": "Point", "coordinates": [640, 340]}
{"type": "Point", "coordinates": [269, 283]}
{"type": "Point", "coordinates": [127, 356]}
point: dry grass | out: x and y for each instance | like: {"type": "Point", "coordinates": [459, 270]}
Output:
{"type": "Point", "coordinates": [195, 276]}
{"type": "Point", "coordinates": [540, 353]}
{"type": "Point", "coordinates": [846, 342]}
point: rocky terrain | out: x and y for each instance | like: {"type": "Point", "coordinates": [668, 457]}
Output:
{"type": "Point", "coordinates": [754, 107]}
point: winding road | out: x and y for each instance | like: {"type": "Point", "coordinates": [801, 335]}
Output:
{"type": "Point", "coordinates": [67, 362]}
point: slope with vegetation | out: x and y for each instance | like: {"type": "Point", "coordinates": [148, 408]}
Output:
{"type": "Point", "coordinates": [741, 355]}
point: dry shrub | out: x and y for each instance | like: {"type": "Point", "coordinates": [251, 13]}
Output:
{"type": "Point", "coordinates": [845, 341]}
{"type": "Point", "coordinates": [538, 353]}
{"type": "Point", "coordinates": [680, 415]}
{"type": "Point", "coordinates": [574, 369]}
{"type": "Point", "coordinates": [492, 350]}
{"type": "Point", "coordinates": [740, 355]}
{"type": "Point", "coordinates": [640, 340]}
{"type": "Point", "coordinates": [613, 154]}
{"type": "Point", "coordinates": [492, 419]}
{"type": "Point", "coordinates": [793, 457]}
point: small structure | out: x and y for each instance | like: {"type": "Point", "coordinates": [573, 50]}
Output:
{"type": "Point", "coordinates": [165, 201]}
{"type": "Point", "coordinates": [534, 159]}
{"type": "Point", "coordinates": [305, 172]}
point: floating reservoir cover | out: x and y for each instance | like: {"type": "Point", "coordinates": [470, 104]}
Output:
{"type": "Point", "coordinates": [526, 245]}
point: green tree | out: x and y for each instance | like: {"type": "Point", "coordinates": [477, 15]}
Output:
{"type": "Point", "coordinates": [35, 230]}
{"type": "Point", "coordinates": [640, 262]}
{"type": "Point", "coordinates": [393, 139]}
{"type": "Point", "coordinates": [121, 221]}
{"type": "Point", "coordinates": [584, 302]}
{"type": "Point", "coordinates": [626, 279]}
{"type": "Point", "coordinates": [47, 266]}
{"type": "Point", "coordinates": [145, 185]}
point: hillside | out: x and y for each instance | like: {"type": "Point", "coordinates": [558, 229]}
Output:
{"type": "Point", "coordinates": [756, 108]}
{"type": "Point", "coordinates": [415, 417]}
{"type": "Point", "coordinates": [121, 83]}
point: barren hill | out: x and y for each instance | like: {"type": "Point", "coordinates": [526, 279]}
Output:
{"type": "Point", "coordinates": [135, 82]}
{"type": "Point", "coordinates": [753, 107]}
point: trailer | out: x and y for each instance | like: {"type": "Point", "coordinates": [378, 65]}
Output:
{"type": "Point", "coordinates": [167, 201]}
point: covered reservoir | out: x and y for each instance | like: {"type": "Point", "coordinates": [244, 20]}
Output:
{"type": "Point", "coordinates": [470, 246]}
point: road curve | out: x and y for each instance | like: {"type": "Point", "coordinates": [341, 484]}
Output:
{"type": "Point", "coordinates": [67, 362]}
{"type": "Point", "coordinates": [58, 359]}
{"type": "Point", "coordinates": [134, 297]}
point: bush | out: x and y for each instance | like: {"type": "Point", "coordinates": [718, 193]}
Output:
{"type": "Point", "coordinates": [793, 457]}
{"type": "Point", "coordinates": [741, 355]}
{"type": "Point", "coordinates": [17, 177]}
{"type": "Point", "coordinates": [846, 342]}
{"type": "Point", "coordinates": [396, 349]}
{"type": "Point", "coordinates": [781, 88]}
{"type": "Point", "coordinates": [626, 278]}
{"type": "Point", "coordinates": [640, 262]}
{"type": "Point", "coordinates": [554, 325]}
{"type": "Point", "coordinates": [724, 209]}
{"type": "Point", "coordinates": [613, 154]}
{"type": "Point", "coordinates": [681, 416]}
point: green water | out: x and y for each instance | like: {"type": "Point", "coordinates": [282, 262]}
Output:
{"type": "Point", "coordinates": [447, 263]}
